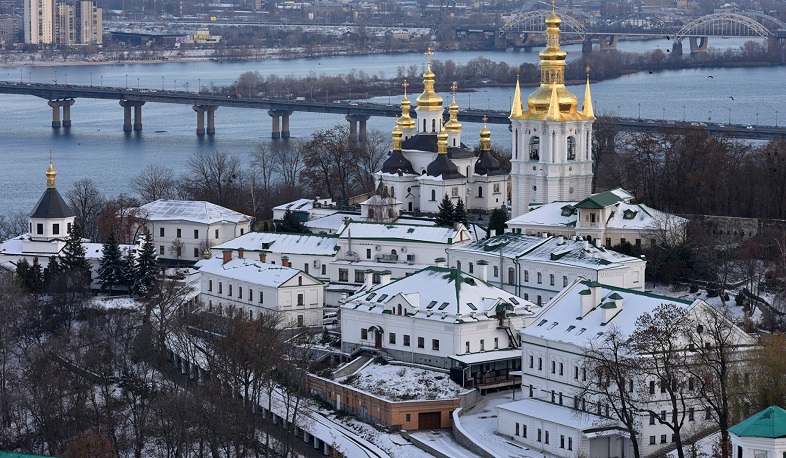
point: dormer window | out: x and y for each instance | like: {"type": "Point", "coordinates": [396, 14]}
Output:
{"type": "Point", "coordinates": [568, 210]}
{"type": "Point", "coordinates": [629, 214]}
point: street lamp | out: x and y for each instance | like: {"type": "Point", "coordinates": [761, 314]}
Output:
{"type": "Point", "coordinates": [91, 79]}
{"type": "Point", "coordinates": [729, 115]}
{"type": "Point", "coordinates": [126, 80]}
{"type": "Point", "coordinates": [683, 113]}
{"type": "Point", "coordinates": [776, 118]}
{"type": "Point", "coordinates": [162, 83]}
{"type": "Point", "coordinates": [55, 77]}
{"type": "Point", "coordinates": [664, 113]}
{"type": "Point", "coordinates": [709, 116]}
{"type": "Point", "coordinates": [312, 93]}
{"type": "Point", "coordinates": [757, 119]}
{"type": "Point", "coordinates": [639, 110]}
{"type": "Point", "coordinates": [174, 85]}
{"type": "Point", "coordinates": [618, 111]}
{"type": "Point", "coordinates": [102, 80]}
{"type": "Point", "coordinates": [66, 79]}
{"type": "Point", "coordinates": [20, 75]}
{"type": "Point", "coordinates": [137, 84]}
{"type": "Point", "coordinates": [199, 88]}
{"type": "Point", "coordinates": [469, 101]}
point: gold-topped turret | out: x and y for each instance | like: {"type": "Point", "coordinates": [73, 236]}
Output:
{"type": "Point", "coordinates": [50, 173]}
{"type": "Point", "coordinates": [429, 100]}
{"type": "Point", "coordinates": [515, 109]}
{"type": "Point", "coordinates": [405, 121]}
{"type": "Point", "coordinates": [442, 140]}
{"type": "Point", "coordinates": [453, 125]}
{"type": "Point", "coordinates": [485, 136]}
{"type": "Point", "coordinates": [552, 77]}
{"type": "Point", "coordinates": [397, 134]}
{"type": "Point", "coordinates": [587, 109]}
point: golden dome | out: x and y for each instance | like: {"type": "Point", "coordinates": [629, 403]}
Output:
{"type": "Point", "coordinates": [442, 140]}
{"type": "Point", "coordinates": [50, 173]}
{"type": "Point", "coordinates": [552, 71]}
{"type": "Point", "coordinates": [397, 134]}
{"type": "Point", "coordinates": [429, 100]}
{"type": "Point", "coordinates": [485, 137]}
{"type": "Point", "coordinates": [405, 121]}
{"type": "Point", "coordinates": [453, 125]}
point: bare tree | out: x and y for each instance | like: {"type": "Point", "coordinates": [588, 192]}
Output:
{"type": "Point", "coordinates": [86, 201]}
{"type": "Point", "coordinates": [214, 177]}
{"type": "Point", "coordinates": [608, 375]}
{"type": "Point", "coordinates": [123, 217]}
{"type": "Point", "coordinates": [13, 225]}
{"type": "Point", "coordinates": [156, 182]}
{"type": "Point", "coordinates": [289, 163]}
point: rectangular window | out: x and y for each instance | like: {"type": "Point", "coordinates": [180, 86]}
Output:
{"type": "Point", "coordinates": [526, 276]}
{"type": "Point", "coordinates": [662, 438]}
{"type": "Point", "coordinates": [324, 270]}
{"type": "Point", "coordinates": [662, 415]}
{"type": "Point", "coordinates": [300, 299]}
{"type": "Point", "coordinates": [409, 417]}
{"type": "Point", "coordinates": [547, 438]}
{"type": "Point", "coordinates": [364, 334]}
{"type": "Point", "coordinates": [540, 364]}
{"type": "Point", "coordinates": [561, 369]}
{"type": "Point", "coordinates": [570, 443]}
{"type": "Point", "coordinates": [531, 358]}
{"type": "Point", "coordinates": [240, 292]}
{"type": "Point", "coordinates": [652, 418]}
{"type": "Point", "coordinates": [540, 278]}
{"type": "Point", "coordinates": [359, 276]}
{"type": "Point", "coordinates": [305, 267]}
{"type": "Point", "coordinates": [220, 288]}
{"type": "Point", "coordinates": [551, 279]}
{"type": "Point", "coordinates": [216, 233]}
{"type": "Point", "coordinates": [210, 285]}
{"type": "Point", "coordinates": [343, 275]}
{"type": "Point", "coordinates": [250, 295]}
{"type": "Point", "coordinates": [435, 344]}
{"type": "Point", "coordinates": [230, 291]}
{"type": "Point", "coordinates": [496, 271]}
{"type": "Point", "coordinates": [539, 435]}
{"type": "Point", "coordinates": [690, 414]}
{"type": "Point", "coordinates": [161, 232]}
{"type": "Point", "coordinates": [496, 343]}
{"type": "Point", "coordinates": [421, 342]}
{"type": "Point", "coordinates": [523, 430]}
{"type": "Point", "coordinates": [161, 249]}
{"type": "Point", "coordinates": [466, 347]}
{"type": "Point", "coordinates": [561, 441]}
{"type": "Point", "coordinates": [55, 229]}
{"type": "Point", "coordinates": [471, 268]}
{"type": "Point", "coordinates": [179, 233]}
{"type": "Point", "coordinates": [652, 440]}
{"type": "Point", "coordinates": [553, 367]}
{"type": "Point", "coordinates": [517, 428]}
{"type": "Point", "coordinates": [608, 245]}
{"type": "Point", "coordinates": [368, 253]}
{"type": "Point", "coordinates": [196, 252]}
{"type": "Point", "coordinates": [482, 345]}
{"type": "Point", "coordinates": [564, 281]}
{"type": "Point", "coordinates": [196, 233]}
{"type": "Point", "coordinates": [652, 386]}
{"type": "Point", "coordinates": [261, 297]}
{"type": "Point", "coordinates": [406, 340]}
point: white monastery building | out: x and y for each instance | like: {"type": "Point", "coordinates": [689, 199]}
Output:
{"type": "Point", "coordinates": [230, 285]}
{"type": "Point", "coordinates": [184, 229]}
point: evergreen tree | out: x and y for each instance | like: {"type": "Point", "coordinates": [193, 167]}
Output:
{"type": "Point", "coordinates": [36, 277]}
{"type": "Point", "coordinates": [72, 257]}
{"type": "Point", "coordinates": [460, 213]}
{"type": "Point", "coordinates": [23, 272]}
{"type": "Point", "coordinates": [446, 213]}
{"type": "Point", "coordinates": [110, 269]}
{"type": "Point", "coordinates": [497, 220]}
{"type": "Point", "coordinates": [291, 223]}
{"type": "Point", "coordinates": [51, 271]}
{"type": "Point", "coordinates": [129, 271]}
{"type": "Point", "coordinates": [146, 268]}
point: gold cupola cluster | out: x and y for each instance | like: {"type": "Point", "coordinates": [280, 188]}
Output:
{"type": "Point", "coordinates": [429, 100]}
{"type": "Point", "coordinates": [552, 101]}
{"type": "Point", "coordinates": [453, 125]}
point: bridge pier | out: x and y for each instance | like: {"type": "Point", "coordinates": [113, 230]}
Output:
{"type": "Point", "coordinates": [698, 44]}
{"type": "Point", "coordinates": [211, 119]}
{"type": "Point", "coordinates": [56, 105]}
{"type": "Point", "coordinates": [676, 49]}
{"type": "Point", "coordinates": [137, 106]}
{"type": "Point", "coordinates": [357, 125]}
{"type": "Point", "coordinates": [586, 46]}
{"type": "Point", "coordinates": [608, 43]}
{"type": "Point", "coordinates": [283, 131]}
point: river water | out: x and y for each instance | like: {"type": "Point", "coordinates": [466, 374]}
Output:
{"type": "Point", "coordinates": [95, 147]}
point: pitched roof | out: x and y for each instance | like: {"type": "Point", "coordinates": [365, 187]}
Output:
{"type": "Point", "coordinates": [51, 205]}
{"type": "Point", "coordinates": [435, 291]}
{"type": "Point", "coordinates": [770, 423]}
{"type": "Point", "coordinates": [605, 199]}
{"type": "Point", "coordinates": [195, 211]}
{"type": "Point", "coordinates": [408, 232]}
{"type": "Point", "coordinates": [249, 270]}
{"type": "Point", "coordinates": [283, 243]}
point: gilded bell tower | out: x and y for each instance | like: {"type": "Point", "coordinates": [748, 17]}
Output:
{"type": "Point", "coordinates": [429, 104]}
{"type": "Point", "coordinates": [552, 139]}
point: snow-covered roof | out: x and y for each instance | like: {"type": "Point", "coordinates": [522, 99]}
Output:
{"type": "Point", "coordinates": [438, 293]}
{"type": "Point", "coordinates": [561, 320]}
{"type": "Point", "coordinates": [554, 250]}
{"type": "Point", "coordinates": [248, 270]}
{"type": "Point", "coordinates": [554, 214]}
{"type": "Point", "coordinates": [195, 211]}
{"type": "Point", "coordinates": [487, 356]}
{"type": "Point", "coordinates": [298, 205]}
{"type": "Point", "coordinates": [283, 243]}
{"type": "Point", "coordinates": [15, 247]}
{"type": "Point", "coordinates": [560, 415]}
{"type": "Point", "coordinates": [403, 383]}
{"type": "Point", "coordinates": [407, 232]}
{"type": "Point", "coordinates": [95, 250]}
{"type": "Point", "coordinates": [639, 217]}
{"type": "Point", "coordinates": [332, 223]}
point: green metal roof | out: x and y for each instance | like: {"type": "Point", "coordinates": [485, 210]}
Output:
{"type": "Point", "coordinates": [770, 422]}
{"type": "Point", "coordinates": [615, 296]}
{"type": "Point", "coordinates": [602, 200]}
{"type": "Point", "coordinates": [609, 305]}
{"type": "Point", "coordinates": [4, 454]}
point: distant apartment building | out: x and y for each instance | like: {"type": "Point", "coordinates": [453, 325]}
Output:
{"type": "Point", "coordinates": [9, 28]}
{"type": "Point", "coordinates": [51, 22]}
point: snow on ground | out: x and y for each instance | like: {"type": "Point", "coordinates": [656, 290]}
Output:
{"type": "Point", "coordinates": [392, 443]}
{"type": "Point", "coordinates": [737, 312]}
{"type": "Point", "coordinates": [704, 447]}
{"type": "Point", "coordinates": [114, 303]}
{"type": "Point", "coordinates": [442, 440]}
{"type": "Point", "coordinates": [480, 422]}
{"type": "Point", "coordinates": [403, 383]}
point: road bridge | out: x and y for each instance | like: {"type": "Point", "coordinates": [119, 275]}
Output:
{"type": "Point", "coordinates": [520, 30]}
{"type": "Point", "coordinates": [62, 97]}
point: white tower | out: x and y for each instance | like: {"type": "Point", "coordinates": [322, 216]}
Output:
{"type": "Point", "coordinates": [429, 104]}
{"type": "Point", "coordinates": [552, 141]}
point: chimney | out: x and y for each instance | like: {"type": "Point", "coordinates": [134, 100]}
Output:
{"type": "Point", "coordinates": [597, 243]}
{"type": "Point", "coordinates": [560, 240]}
{"type": "Point", "coordinates": [262, 256]}
{"type": "Point", "coordinates": [612, 307]}
{"type": "Point", "coordinates": [586, 245]}
{"type": "Point", "coordinates": [227, 256]}
{"type": "Point", "coordinates": [492, 232]}
{"type": "Point", "coordinates": [240, 253]}
{"type": "Point", "coordinates": [384, 277]}
{"type": "Point", "coordinates": [285, 261]}
{"type": "Point", "coordinates": [368, 279]}
{"type": "Point", "coordinates": [484, 270]}
{"type": "Point", "coordinates": [586, 302]}
{"type": "Point", "coordinates": [440, 262]}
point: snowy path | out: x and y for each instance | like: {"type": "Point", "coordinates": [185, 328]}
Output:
{"type": "Point", "coordinates": [442, 441]}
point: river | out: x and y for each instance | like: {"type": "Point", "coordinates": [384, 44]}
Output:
{"type": "Point", "coordinates": [95, 147]}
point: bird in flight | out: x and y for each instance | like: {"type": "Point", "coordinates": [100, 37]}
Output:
{"type": "Point", "coordinates": [668, 37]}
{"type": "Point", "coordinates": [732, 98]}
{"type": "Point", "coordinates": [650, 72]}
{"type": "Point", "coordinates": [710, 76]}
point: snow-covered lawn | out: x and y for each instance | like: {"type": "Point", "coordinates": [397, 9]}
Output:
{"type": "Point", "coordinates": [403, 383]}
{"type": "Point", "coordinates": [114, 303]}
{"type": "Point", "coordinates": [704, 447]}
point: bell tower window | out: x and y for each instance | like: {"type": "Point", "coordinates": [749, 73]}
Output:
{"type": "Point", "coordinates": [571, 148]}
{"type": "Point", "coordinates": [534, 149]}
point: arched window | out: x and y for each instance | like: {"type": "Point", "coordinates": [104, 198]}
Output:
{"type": "Point", "coordinates": [511, 276]}
{"type": "Point", "coordinates": [571, 148]}
{"type": "Point", "coordinates": [399, 309]}
{"type": "Point", "coordinates": [433, 195]}
{"type": "Point", "coordinates": [433, 125]}
{"type": "Point", "coordinates": [392, 192]}
{"type": "Point", "coordinates": [454, 142]}
{"type": "Point", "coordinates": [480, 191]}
{"type": "Point", "coordinates": [424, 125]}
{"type": "Point", "coordinates": [534, 149]}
